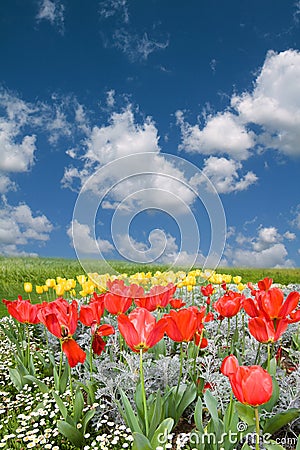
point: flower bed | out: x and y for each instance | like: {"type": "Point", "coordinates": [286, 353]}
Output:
{"type": "Point", "coordinates": [151, 361]}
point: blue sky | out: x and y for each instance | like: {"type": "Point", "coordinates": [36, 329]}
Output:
{"type": "Point", "coordinates": [209, 90]}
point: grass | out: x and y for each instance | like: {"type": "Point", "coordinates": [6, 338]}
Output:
{"type": "Point", "coordinates": [15, 271]}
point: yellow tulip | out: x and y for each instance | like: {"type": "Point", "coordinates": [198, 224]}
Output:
{"type": "Point", "coordinates": [45, 288]}
{"type": "Point", "coordinates": [227, 278]}
{"type": "Point", "coordinates": [60, 290]}
{"type": "Point", "coordinates": [39, 289]}
{"type": "Point", "coordinates": [50, 282]}
{"type": "Point", "coordinates": [241, 286]}
{"type": "Point", "coordinates": [81, 279]}
{"type": "Point", "coordinates": [237, 279]}
{"type": "Point", "coordinates": [28, 287]}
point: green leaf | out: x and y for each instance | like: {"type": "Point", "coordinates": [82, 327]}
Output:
{"type": "Point", "coordinates": [129, 414]}
{"type": "Point", "coordinates": [187, 398]}
{"type": "Point", "coordinates": [280, 420]}
{"type": "Point", "coordinates": [245, 413]}
{"type": "Point", "coordinates": [246, 447]}
{"type": "Point", "coordinates": [64, 378]}
{"type": "Point", "coordinates": [298, 443]}
{"type": "Point", "coordinates": [156, 417]}
{"type": "Point", "coordinates": [16, 379]}
{"type": "Point", "coordinates": [78, 405]}
{"type": "Point", "coordinates": [273, 400]}
{"type": "Point", "coordinates": [139, 400]}
{"type": "Point", "coordinates": [198, 416]}
{"type": "Point", "coordinates": [273, 367]}
{"type": "Point", "coordinates": [229, 414]}
{"type": "Point", "coordinates": [211, 404]}
{"type": "Point", "coordinates": [161, 433]}
{"type": "Point", "coordinates": [70, 433]}
{"type": "Point", "coordinates": [42, 386]}
{"type": "Point", "coordinates": [272, 445]}
{"type": "Point", "coordinates": [56, 379]}
{"type": "Point", "coordinates": [88, 416]}
{"type": "Point", "coordinates": [61, 405]}
{"type": "Point", "coordinates": [140, 442]}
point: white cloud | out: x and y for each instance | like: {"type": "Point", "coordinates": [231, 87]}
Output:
{"type": "Point", "coordinates": [223, 174]}
{"type": "Point", "coordinates": [122, 137]}
{"type": "Point", "coordinates": [53, 12]}
{"type": "Point", "coordinates": [18, 227]}
{"type": "Point", "coordinates": [110, 99]}
{"type": "Point", "coordinates": [110, 8]}
{"type": "Point", "coordinates": [85, 244]}
{"type": "Point", "coordinates": [274, 103]}
{"type": "Point", "coordinates": [289, 236]}
{"type": "Point", "coordinates": [6, 184]}
{"type": "Point", "coordinates": [17, 151]}
{"type": "Point", "coordinates": [296, 220]}
{"type": "Point", "coordinates": [264, 250]}
{"type": "Point", "coordinates": [135, 46]}
{"type": "Point", "coordinates": [273, 106]}
{"type": "Point", "coordinates": [221, 134]}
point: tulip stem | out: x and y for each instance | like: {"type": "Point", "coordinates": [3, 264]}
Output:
{"type": "Point", "coordinates": [257, 358]}
{"type": "Point", "coordinates": [180, 368]}
{"type": "Point", "coordinates": [60, 361]}
{"type": "Point", "coordinates": [244, 334]}
{"type": "Point", "coordinates": [257, 428]}
{"type": "Point", "coordinates": [228, 335]}
{"type": "Point", "coordinates": [91, 357]}
{"type": "Point", "coordinates": [71, 387]}
{"type": "Point", "coordinates": [28, 346]}
{"type": "Point", "coordinates": [269, 357]}
{"type": "Point", "coordinates": [144, 393]}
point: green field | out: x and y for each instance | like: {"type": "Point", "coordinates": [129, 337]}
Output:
{"type": "Point", "coordinates": [15, 271]}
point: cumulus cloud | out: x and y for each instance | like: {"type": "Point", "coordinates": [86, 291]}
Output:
{"type": "Point", "coordinates": [85, 244]}
{"type": "Point", "coordinates": [274, 104]}
{"type": "Point", "coordinates": [122, 137]}
{"type": "Point", "coordinates": [224, 175]}
{"type": "Point", "coordinates": [53, 12]}
{"type": "Point", "coordinates": [221, 134]}
{"type": "Point", "coordinates": [17, 151]}
{"type": "Point", "coordinates": [267, 249]}
{"type": "Point", "coordinates": [268, 117]}
{"type": "Point", "coordinates": [19, 227]}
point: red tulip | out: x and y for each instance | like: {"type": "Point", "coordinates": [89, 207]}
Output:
{"type": "Point", "coordinates": [177, 303]}
{"type": "Point", "coordinates": [229, 304]}
{"type": "Point", "coordinates": [140, 329]}
{"type": "Point", "coordinates": [263, 330]}
{"type": "Point", "coordinates": [158, 297]}
{"type": "Point", "coordinates": [251, 385]}
{"type": "Point", "coordinates": [22, 310]}
{"type": "Point", "coordinates": [182, 325]}
{"type": "Point", "coordinates": [61, 320]}
{"type": "Point", "coordinates": [207, 290]}
{"type": "Point", "coordinates": [90, 315]}
{"type": "Point", "coordinates": [229, 365]}
{"type": "Point", "coordinates": [98, 343]}
{"type": "Point", "coordinates": [265, 284]}
{"type": "Point", "coordinates": [295, 316]}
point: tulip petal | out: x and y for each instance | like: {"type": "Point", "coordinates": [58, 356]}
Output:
{"type": "Point", "coordinates": [290, 304]}
{"type": "Point", "coordinates": [128, 331]}
{"type": "Point", "coordinates": [73, 352]}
